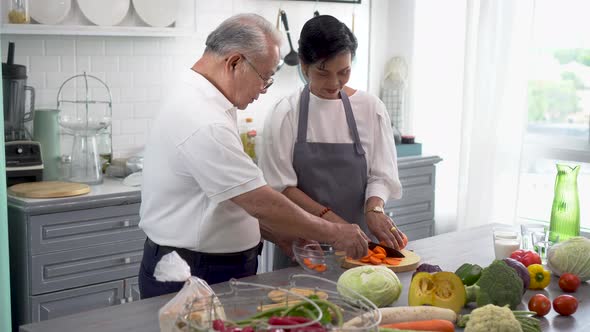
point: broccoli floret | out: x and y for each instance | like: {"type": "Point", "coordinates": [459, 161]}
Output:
{"type": "Point", "coordinates": [499, 284]}
{"type": "Point", "coordinates": [491, 318]}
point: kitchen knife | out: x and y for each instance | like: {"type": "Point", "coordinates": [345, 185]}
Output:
{"type": "Point", "coordinates": [391, 252]}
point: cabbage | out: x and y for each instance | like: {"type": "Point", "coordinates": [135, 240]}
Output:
{"type": "Point", "coordinates": [570, 256]}
{"type": "Point", "coordinates": [377, 283]}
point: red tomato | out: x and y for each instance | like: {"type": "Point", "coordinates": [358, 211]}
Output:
{"type": "Point", "coordinates": [540, 304]}
{"type": "Point", "coordinates": [565, 305]}
{"type": "Point", "coordinates": [526, 257]}
{"type": "Point", "coordinates": [569, 282]}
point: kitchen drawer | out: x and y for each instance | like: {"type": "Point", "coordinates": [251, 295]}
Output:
{"type": "Point", "coordinates": [84, 228]}
{"type": "Point", "coordinates": [418, 210]}
{"type": "Point", "coordinates": [77, 300]}
{"type": "Point", "coordinates": [418, 230]}
{"type": "Point", "coordinates": [81, 267]}
{"type": "Point", "coordinates": [422, 177]}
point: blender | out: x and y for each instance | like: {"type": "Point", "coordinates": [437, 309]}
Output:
{"type": "Point", "coordinates": [23, 156]}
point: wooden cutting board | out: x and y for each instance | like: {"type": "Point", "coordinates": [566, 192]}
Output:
{"type": "Point", "coordinates": [48, 189]}
{"type": "Point", "coordinates": [409, 263]}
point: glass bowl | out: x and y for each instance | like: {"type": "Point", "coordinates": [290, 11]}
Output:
{"type": "Point", "coordinates": [317, 257]}
{"type": "Point", "coordinates": [251, 304]}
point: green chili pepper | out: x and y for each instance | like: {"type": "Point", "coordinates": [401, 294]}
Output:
{"type": "Point", "coordinates": [469, 273]}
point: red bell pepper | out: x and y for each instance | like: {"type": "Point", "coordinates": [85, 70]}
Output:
{"type": "Point", "coordinates": [526, 257]}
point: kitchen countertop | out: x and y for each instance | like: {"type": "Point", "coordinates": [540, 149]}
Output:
{"type": "Point", "coordinates": [111, 189]}
{"type": "Point", "coordinates": [448, 250]}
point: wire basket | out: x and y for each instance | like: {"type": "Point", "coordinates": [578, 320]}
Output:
{"type": "Point", "coordinates": [247, 306]}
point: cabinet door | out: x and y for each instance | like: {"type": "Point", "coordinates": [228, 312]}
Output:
{"type": "Point", "coordinates": [132, 290]}
{"type": "Point", "coordinates": [76, 300]}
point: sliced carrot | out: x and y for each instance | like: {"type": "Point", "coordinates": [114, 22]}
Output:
{"type": "Point", "coordinates": [379, 250]}
{"type": "Point", "coordinates": [439, 325]}
{"type": "Point", "coordinates": [379, 256]}
{"type": "Point", "coordinates": [370, 252]}
{"type": "Point", "coordinates": [374, 260]}
{"type": "Point", "coordinates": [307, 261]}
{"type": "Point", "coordinates": [321, 268]}
{"type": "Point", "coordinates": [366, 259]}
{"type": "Point", "coordinates": [391, 261]}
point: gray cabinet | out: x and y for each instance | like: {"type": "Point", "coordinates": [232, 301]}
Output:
{"type": "Point", "coordinates": [71, 255]}
{"type": "Point", "coordinates": [414, 212]}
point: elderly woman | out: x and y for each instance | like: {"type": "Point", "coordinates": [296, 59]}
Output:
{"type": "Point", "coordinates": [328, 147]}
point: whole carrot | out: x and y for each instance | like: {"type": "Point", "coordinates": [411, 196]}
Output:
{"type": "Point", "coordinates": [438, 325]}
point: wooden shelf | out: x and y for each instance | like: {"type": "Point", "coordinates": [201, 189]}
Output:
{"type": "Point", "coordinates": [87, 30]}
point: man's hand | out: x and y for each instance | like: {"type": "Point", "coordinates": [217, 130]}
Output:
{"type": "Point", "coordinates": [384, 229]}
{"type": "Point", "coordinates": [351, 239]}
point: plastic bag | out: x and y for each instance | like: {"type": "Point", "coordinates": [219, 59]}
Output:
{"type": "Point", "coordinates": [195, 295]}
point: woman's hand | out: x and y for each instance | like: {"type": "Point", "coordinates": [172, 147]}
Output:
{"type": "Point", "coordinates": [384, 229]}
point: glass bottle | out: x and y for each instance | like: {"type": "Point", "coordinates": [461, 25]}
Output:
{"type": "Point", "coordinates": [18, 11]}
{"type": "Point", "coordinates": [248, 136]}
{"type": "Point", "coordinates": [105, 148]}
{"type": "Point", "coordinates": [565, 212]}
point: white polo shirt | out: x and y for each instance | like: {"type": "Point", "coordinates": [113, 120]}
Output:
{"type": "Point", "coordinates": [194, 164]}
{"type": "Point", "coordinates": [327, 124]}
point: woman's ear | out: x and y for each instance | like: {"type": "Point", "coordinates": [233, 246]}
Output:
{"type": "Point", "coordinates": [305, 69]}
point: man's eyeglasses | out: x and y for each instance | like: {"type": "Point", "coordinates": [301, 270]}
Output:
{"type": "Point", "coordinates": [267, 82]}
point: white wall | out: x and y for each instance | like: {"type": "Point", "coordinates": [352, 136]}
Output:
{"type": "Point", "coordinates": [138, 69]}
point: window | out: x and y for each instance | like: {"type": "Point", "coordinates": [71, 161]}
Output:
{"type": "Point", "coordinates": [558, 107]}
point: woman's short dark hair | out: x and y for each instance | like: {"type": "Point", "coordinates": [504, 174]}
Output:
{"type": "Point", "coordinates": [324, 37]}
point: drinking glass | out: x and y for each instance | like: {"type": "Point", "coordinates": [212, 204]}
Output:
{"type": "Point", "coordinates": [541, 243]}
{"type": "Point", "coordinates": [506, 241]}
{"type": "Point", "coordinates": [526, 231]}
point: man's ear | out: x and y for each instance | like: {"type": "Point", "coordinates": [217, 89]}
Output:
{"type": "Point", "coordinates": [232, 61]}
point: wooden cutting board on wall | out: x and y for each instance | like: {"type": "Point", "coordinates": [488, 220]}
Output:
{"type": "Point", "coordinates": [48, 189]}
{"type": "Point", "coordinates": [409, 263]}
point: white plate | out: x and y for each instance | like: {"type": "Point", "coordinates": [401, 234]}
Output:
{"type": "Point", "coordinates": [133, 179]}
{"type": "Point", "coordinates": [157, 13]}
{"type": "Point", "coordinates": [104, 12]}
{"type": "Point", "coordinates": [49, 11]}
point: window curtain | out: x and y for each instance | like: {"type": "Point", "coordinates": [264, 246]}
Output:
{"type": "Point", "coordinates": [494, 112]}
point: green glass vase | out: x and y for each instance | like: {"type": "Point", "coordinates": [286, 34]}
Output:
{"type": "Point", "coordinates": [565, 212]}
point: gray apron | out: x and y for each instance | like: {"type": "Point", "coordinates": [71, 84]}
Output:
{"type": "Point", "coordinates": [332, 174]}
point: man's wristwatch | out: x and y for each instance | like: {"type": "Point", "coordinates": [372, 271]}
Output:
{"type": "Point", "coordinates": [376, 209]}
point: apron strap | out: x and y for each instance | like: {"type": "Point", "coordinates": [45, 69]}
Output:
{"type": "Point", "coordinates": [351, 123]}
{"type": "Point", "coordinates": [304, 115]}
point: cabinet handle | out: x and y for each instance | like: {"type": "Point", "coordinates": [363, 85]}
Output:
{"type": "Point", "coordinates": [126, 223]}
{"type": "Point", "coordinates": [127, 260]}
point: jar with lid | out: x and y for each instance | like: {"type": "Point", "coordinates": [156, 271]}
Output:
{"type": "Point", "coordinates": [18, 11]}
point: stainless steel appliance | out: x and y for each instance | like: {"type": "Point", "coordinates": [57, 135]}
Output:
{"type": "Point", "coordinates": [23, 156]}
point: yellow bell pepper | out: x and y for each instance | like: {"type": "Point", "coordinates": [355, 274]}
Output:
{"type": "Point", "coordinates": [540, 278]}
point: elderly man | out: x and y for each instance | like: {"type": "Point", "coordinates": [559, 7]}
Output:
{"type": "Point", "coordinates": [202, 196]}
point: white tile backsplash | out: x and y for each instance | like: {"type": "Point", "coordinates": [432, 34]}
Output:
{"type": "Point", "coordinates": [139, 70]}
{"type": "Point", "coordinates": [122, 46]}
{"type": "Point", "coordinates": [104, 63]}
{"type": "Point", "coordinates": [43, 63]}
{"type": "Point", "coordinates": [90, 46]}
{"type": "Point", "coordinates": [60, 46]}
